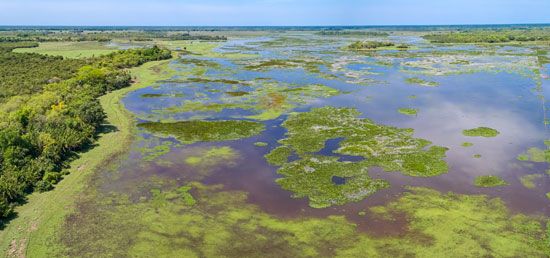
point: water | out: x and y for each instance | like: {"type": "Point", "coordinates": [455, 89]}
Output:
{"type": "Point", "coordinates": [507, 100]}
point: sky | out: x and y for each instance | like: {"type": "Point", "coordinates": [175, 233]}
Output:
{"type": "Point", "coordinates": [271, 12]}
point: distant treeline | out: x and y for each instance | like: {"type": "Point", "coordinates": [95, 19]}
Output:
{"type": "Point", "coordinates": [50, 110]}
{"type": "Point", "coordinates": [54, 36]}
{"type": "Point", "coordinates": [275, 28]}
{"type": "Point", "coordinates": [490, 36]}
{"type": "Point", "coordinates": [352, 33]}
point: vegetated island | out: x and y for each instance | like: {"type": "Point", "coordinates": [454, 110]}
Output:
{"type": "Point", "coordinates": [481, 132]}
{"type": "Point", "coordinates": [489, 181]}
{"type": "Point", "coordinates": [377, 45]}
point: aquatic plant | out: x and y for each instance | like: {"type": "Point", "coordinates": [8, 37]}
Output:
{"type": "Point", "coordinates": [267, 100]}
{"type": "Point", "coordinates": [260, 144]}
{"type": "Point", "coordinates": [422, 82]}
{"type": "Point", "coordinates": [467, 144]}
{"type": "Point", "coordinates": [390, 148]}
{"type": "Point", "coordinates": [535, 154]}
{"type": "Point", "coordinates": [489, 181]}
{"type": "Point", "coordinates": [278, 156]}
{"type": "Point", "coordinates": [312, 177]}
{"type": "Point", "coordinates": [205, 131]}
{"type": "Point", "coordinates": [310, 65]}
{"type": "Point", "coordinates": [481, 132]}
{"type": "Point", "coordinates": [206, 220]}
{"type": "Point", "coordinates": [212, 157]}
{"type": "Point", "coordinates": [408, 111]}
{"type": "Point", "coordinates": [529, 180]}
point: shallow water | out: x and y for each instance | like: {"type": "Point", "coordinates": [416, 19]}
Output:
{"type": "Point", "coordinates": [509, 98]}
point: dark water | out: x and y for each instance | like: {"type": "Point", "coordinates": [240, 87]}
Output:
{"type": "Point", "coordinates": [507, 100]}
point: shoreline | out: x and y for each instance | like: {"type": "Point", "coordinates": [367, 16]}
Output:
{"type": "Point", "coordinates": [33, 230]}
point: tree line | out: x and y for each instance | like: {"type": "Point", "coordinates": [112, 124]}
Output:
{"type": "Point", "coordinates": [490, 36]}
{"type": "Point", "coordinates": [45, 122]}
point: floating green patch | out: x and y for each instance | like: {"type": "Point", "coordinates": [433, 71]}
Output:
{"type": "Point", "coordinates": [310, 65]}
{"type": "Point", "coordinates": [489, 181]}
{"type": "Point", "coordinates": [467, 144]}
{"type": "Point", "coordinates": [278, 156]}
{"type": "Point", "coordinates": [448, 224]}
{"type": "Point", "coordinates": [237, 93]}
{"type": "Point", "coordinates": [267, 100]}
{"type": "Point", "coordinates": [205, 131]}
{"type": "Point", "coordinates": [158, 95]}
{"type": "Point", "coordinates": [212, 157]}
{"type": "Point", "coordinates": [260, 144]}
{"type": "Point", "coordinates": [481, 132]}
{"type": "Point", "coordinates": [477, 156]}
{"type": "Point", "coordinates": [390, 148]}
{"type": "Point", "coordinates": [408, 111]}
{"type": "Point", "coordinates": [312, 177]}
{"type": "Point", "coordinates": [529, 180]}
{"type": "Point", "coordinates": [214, 223]}
{"type": "Point", "coordinates": [208, 80]}
{"type": "Point", "coordinates": [422, 82]}
{"type": "Point", "coordinates": [200, 62]}
{"type": "Point", "coordinates": [535, 155]}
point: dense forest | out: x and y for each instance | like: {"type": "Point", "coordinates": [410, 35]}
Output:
{"type": "Point", "coordinates": [50, 110]}
{"type": "Point", "coordinates": [100, 36]}
{"type": "Point", "coordinates": [490, 36]}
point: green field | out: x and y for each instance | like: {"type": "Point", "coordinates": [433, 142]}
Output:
{"type": "Point", "coordinates": [70, 49]}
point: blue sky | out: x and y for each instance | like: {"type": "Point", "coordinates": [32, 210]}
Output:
{"type": "Point", "coordinates": [272, 12]}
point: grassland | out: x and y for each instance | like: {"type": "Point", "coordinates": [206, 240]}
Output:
{"type": "Point", "coordinates": [33, 232]}
{"type": "Point", "coordinates": [70, 49]}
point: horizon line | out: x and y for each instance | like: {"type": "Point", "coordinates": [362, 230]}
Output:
{"type": "Point", "coordinates": [347, 25]}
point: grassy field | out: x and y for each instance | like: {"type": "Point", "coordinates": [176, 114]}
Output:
{"type": "Point", "coordinates": [70, 49]}
{"type": "Point", "coordinates": [33, 232]}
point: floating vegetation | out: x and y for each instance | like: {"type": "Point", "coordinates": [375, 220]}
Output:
{"type": "Point", "coordinates": [200, 62]}
{"type": "Point", "coordinates": [312, 176]}
{"type": "Point", "coordinates": [444, 224]}
{"type": "Point", "coordinates": [422, 82]}
{"type": "Point", "coordinates": [489, 181]}
{"type": "Point", "coordinates": [212, 157]}
{"type": "Point", "coordinates": [205, 131]}
{"type": "Point", "coordinates": [207, 80]}
{"type": "Point", "coordinates": [267, 100]}
{"type": "Point", "coordinates": [158, 95]}
{"type": "Point", "coordinates": [529, 180]}
{"type": "Point", "coordinates": [278, 156]}
{"type": "Point", "coordinates": [408, 111]}
{"type": "Point", "coordinates": [448, 63]}
{"type": "Point", "coordinates": [477, 156]}
{"type": "Point", "coordinates": [352, 33]}
{"type": "Point", "coordinates": [390, 148]}
{"type": "Point", "coordinates": [467, 144]}
{"type": "Point", "coordinates": [536, 155]}
{"type": "Point", "coordinates": [439, 224]}
{"type": "Point", "coordinates": [481, 132]}
{"type": "Point", "coordinates": [260, 144]}
{"type": "Point", "coordinates": [236, 93]}
{"type": "Point", "coordinates": [310, 65]}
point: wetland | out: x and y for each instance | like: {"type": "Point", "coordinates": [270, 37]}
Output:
{"type": "Point", "coordinates": [318, 143]}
